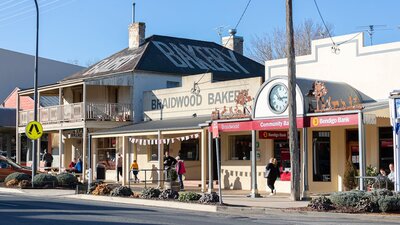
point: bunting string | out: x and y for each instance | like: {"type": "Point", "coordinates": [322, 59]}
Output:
{"type": "Point", "coordinates": [148, 141]}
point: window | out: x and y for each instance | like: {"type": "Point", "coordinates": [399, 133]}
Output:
{"type": "Point", "coordinates": [172, 84]}
{"type": "Point", "coordinates": [189, 149]}
{"type": "Point", "coordinates": [321, 156]}
{"type": "Point", "coordinates": [385, 147]}
{"type": "Point", "coordinates": [153, 153]}
{"type": "Point", "coordinates": [240, 147]}
{"type": "Point", "coordinates": [106, 150]}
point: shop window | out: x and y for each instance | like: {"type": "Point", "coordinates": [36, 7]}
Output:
{"type": "Point", "coordinates": [385, 147]}
{"type": "Point", "coordinates": [240, 147]}
{"type": "Point", "coordinates": [321, 156]}
{"type": "Point", "coordinates": [189, 149]}
{"type": "Point", "coordinates": [106, 150]}
{"type": "Point", "coordinates": [153, 152]}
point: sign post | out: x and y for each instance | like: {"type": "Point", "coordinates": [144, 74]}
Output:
{"type": "Point", "coordinates": [395, 120]}
{"type": "Point", "coordinates": [34, 131]}
{"type": "Point", "coordinates": [215, 132]}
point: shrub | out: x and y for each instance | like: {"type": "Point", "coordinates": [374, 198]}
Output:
{"type": "Point", "coordinates": [169, 194]}
{"type": "Point", "coordinates": [101, 189]}
{"type": "Point", "coordinates": [172, 175]}
{"type": "Point", "coordinates": [367, 204]}
{"type": "Point", "coordinates": [189, 196]}
{"type": "Point", "coordinates": [45, 180]}
{"type": "Point", "coordinates": [12, 183]}
{"type": "Point", "coordinates": [122, 191]}
{"type": "Point", "coordinates": [347, 199]}
{"type": "Point", "coordinates": [389, 204]}
{"type": "Point", "coordinates": [321, 203]}
{"type": "Point", "coordinates": [350, 173]}
{"type": "Point", "coordinates": [209, 198]}
{"type": "Point", "coordinates": [18, 176]}
{"type": "Point", "coordinates": [25, 184]}
{"type": "Point", "coordinates": [66, 180]}
{"type": "Point", "coordinates": [148, 193]}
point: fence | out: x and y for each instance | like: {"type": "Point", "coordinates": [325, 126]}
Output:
{"type": "Point", "coordinates": [146, 171]}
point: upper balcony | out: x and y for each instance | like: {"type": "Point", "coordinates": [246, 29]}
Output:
{"type": "Point", "coordinates": [76, 112]}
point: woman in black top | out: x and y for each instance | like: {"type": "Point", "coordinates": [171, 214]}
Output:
{"type": "Point", "coordinates": [272, 173]}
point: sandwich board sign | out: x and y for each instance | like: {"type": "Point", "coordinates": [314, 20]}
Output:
{"type": "Point", "coordinates": [34, 130]}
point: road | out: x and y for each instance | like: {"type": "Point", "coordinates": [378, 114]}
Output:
{"type": "Point", "coordinates": [25, 210]}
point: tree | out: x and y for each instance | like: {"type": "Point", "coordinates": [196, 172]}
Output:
{"type": "Point", "coordinates": [273, 46]}
{"type": "Point", "coordinates": [349, 178]}
{"type": "Point", "coordinates": [293, 140]}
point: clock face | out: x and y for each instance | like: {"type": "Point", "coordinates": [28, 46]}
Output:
{"type": "Point", "coordinates": [278, 98]}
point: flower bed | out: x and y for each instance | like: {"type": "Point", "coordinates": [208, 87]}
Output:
{"type": "Point", "coordinates": [380, 200]}
{"type": "Point", "coordinates": [155, 194]}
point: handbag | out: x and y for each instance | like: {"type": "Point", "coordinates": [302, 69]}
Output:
{"type": "Point", "coordinates": [267, 172]}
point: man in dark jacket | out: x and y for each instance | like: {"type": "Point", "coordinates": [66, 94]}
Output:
{"type": "Point", "coordinates": [47, 159]}
{"type": "Point", "coordinates": [169, 161]}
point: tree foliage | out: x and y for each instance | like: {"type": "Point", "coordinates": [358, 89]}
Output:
{"type": "Point", "coordinates": [273, 46]}
{"type": "Point", "coordinates": [350, 173]}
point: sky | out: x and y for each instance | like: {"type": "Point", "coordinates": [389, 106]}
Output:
{"type": "Point", "coordinates": [86, 31]}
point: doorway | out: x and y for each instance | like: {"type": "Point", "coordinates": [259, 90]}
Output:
{"type": "Point", "coordinates": [352, 150]}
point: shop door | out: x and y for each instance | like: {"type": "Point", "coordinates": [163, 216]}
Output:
{"type": "Point", "coordinates": [352, 151]}
{"type": "Point", "coordinates": [214, 152]}
{"type": "Point", "coordinates": [282, 155]}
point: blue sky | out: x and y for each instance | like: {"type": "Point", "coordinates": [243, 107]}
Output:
{"type": "Point", "coordinates": [90, 30]}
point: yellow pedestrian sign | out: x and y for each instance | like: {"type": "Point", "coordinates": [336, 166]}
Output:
{"type": "Point", "coordinates": [34, 130]}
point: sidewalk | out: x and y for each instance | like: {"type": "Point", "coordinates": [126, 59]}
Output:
{"type": "Point", "coordinates": [233, 200]}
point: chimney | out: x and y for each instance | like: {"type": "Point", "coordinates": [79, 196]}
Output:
{"type": "Point", "coordinates": [136, 34]}
{"type": "Point", "coordinates": [233, 42]}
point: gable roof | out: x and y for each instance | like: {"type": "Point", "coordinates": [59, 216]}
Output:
{"type": "Point", "coordinates": [180, 56]}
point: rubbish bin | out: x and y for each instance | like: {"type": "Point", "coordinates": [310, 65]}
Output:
{"type": "Point", "coordinates": [101, 171]}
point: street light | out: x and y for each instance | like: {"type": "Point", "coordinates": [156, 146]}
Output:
{"type": "Point", "coordinates": [35, 84]}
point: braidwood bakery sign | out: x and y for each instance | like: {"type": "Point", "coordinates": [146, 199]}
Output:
{"type": "Point", "coordinates": [208, 98]}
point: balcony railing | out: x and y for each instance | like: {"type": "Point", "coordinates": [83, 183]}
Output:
{"type": "Point", "coordinates": [75, 112]}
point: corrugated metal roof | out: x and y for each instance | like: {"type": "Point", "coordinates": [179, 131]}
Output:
{"type": "Point", "coordinates": [155, 125]}
{"type": "Point", "coordinates": [7, 117]}
{"type": "Point", "coordinates": [178, 56]}
{"type": "Point", "coordinates": [46, 101]}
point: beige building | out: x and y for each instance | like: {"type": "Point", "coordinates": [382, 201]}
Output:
{"type": "Point", "coordinates": [178, 121]}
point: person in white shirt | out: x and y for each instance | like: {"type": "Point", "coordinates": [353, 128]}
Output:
{"type": "Point", "coordinates": [391, 174]}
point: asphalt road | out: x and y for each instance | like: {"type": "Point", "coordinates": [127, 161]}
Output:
{"type": "Point", "coordinates": [25, 210]}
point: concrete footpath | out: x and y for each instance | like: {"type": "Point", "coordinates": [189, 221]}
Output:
{"type": "Point", "coordinates": [232, 202]}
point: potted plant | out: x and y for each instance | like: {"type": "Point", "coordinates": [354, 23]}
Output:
{"type": "Point", "coordinates": [171, 182]}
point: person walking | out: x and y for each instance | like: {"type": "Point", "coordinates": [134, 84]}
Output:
{"type": "Point", "coordinates": [169, 161]}
{"type": "Point", "coordinates": [391, 174]}
{"type": "Point", "coordinates": [118, 164]}
{"type": "Point", "coordinates": [180, 170]}
{"type": "Point", "coordinates": [135, 170]}
{"type": "Point", "coordinates": [47, 159]}
{"type": "Point", "coordinates": [272, 173]}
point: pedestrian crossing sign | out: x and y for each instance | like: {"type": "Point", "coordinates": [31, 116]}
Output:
{"type": "Point", "coordinates": [34, 130]}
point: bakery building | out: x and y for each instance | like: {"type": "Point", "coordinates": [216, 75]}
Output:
{"type": "Point", "coordinates": [109, 94]}
{"type": "Point", "coordinates": [177, 120]}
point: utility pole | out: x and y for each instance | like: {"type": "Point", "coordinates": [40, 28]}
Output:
{"type": "Point", "coordinates": [35, 97]}
{"type": "Point", "coordinates": [293, 136]}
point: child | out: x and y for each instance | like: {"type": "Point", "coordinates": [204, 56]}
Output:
{"type": "Point", "coordinates": [135, 170]}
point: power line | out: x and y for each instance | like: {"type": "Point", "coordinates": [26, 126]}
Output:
{"type": "Point", "coordinates": [223, 46]}
{"type": "Point", "coordinates": [45, 8]}
{"type": "Point", "coordinates": [323, 21]}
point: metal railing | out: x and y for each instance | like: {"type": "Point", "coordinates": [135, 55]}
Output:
{"type": "Point", "coordinates": [109, 111]}
{"type": "Point", "coordinates": [377, 180]}
{"type": "Point", "coordinates": [153, 180]}
{"type": "Point", "coordinates": [75, 112]}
